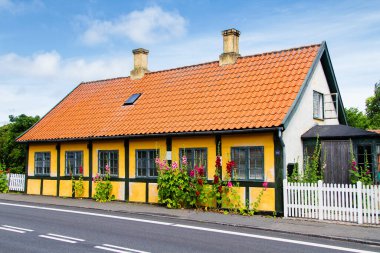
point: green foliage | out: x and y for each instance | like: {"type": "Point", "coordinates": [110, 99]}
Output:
{"type": "Point", "coordinates": [370, 119]}
{"type": "Point", "coordinates": [312, 170]}
{"type": "Point", "coordinates": [313, 167]}
{"type": "Point", "coordinates": [3, 179]}
{"type": "Point", "coordinates": [296, 175]}
{"type": "Point", "coordinates": [13, 154]}
{"type": "Point", "coordinates": [78, 187]}
{"type": "Point", "coordinates": [357, 173]}
{"type": "Point", "coordinates": [373, 108]}
{"type": "Point", "coordinates": [356, 118]}
{"type": "Point", "coordinates": [103, 187]}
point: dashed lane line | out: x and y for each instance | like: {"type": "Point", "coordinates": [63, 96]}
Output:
{"type": "Point", "coordinates": [18, 228]}
{"type": "Point", "coordinates": [62, 238]}
{"type": "Point", "coordinates": [114, 248]}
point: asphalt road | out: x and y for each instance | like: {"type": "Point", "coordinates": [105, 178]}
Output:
{"type": "Point", "coordinates": [28, 228]}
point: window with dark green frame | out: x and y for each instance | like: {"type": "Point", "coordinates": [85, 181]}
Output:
{"type": "Point", "coordinates": [195, 157]}
{"type": "Point", "coordinates": [42, 163]}
{"type": "Point", "coordinates": [249, 162]}
{"type": "Point", "coordinates": [110, 157]}
{"type": "Point", "coordinates": [145, 163]}
{"type": "Point", "coordinates": [73, 161]}
{"type": "Point", "coordinates": [364, 152]}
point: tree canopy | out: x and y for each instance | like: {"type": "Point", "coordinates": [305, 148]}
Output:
{"type": "Point", "coordinates": [13, 154]}
{"type": "Point", "coordinates": [371, 118]}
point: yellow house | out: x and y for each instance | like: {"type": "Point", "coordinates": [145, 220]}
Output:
{"type": "Point", "coordinates": [238, 107]}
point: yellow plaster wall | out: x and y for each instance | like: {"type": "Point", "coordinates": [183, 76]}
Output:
{"type": "Point", "coordinates": [34, 186]}
{"type": "Point", "coordinates": [153, 193]}
{"type": "Point", "coordinates": [33, 148]}
{"type": "Point", "coordinates": [197, 142]}
{"type": "Point", "coordinates": [75, 146]}
{"type": "Point", "coordinates": [134, 144]}
{"type": "Point", "coordinates": [109, 145]}
{"type": "Point", "coordinates": [50, 187]}
{"type": "Point", "coordinates": [137, 192]}
{"type": "Point", "coordinates": [65, 188]}
{"type": "Point", "coordinates": [118, 190]}
{"type": "Point", "coordinates": [254, 139]}
{"type": "Point", "coordinates": [267, 202]}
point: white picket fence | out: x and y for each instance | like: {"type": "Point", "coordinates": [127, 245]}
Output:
{"type": "Point", "coordinates": [340, 202]}
{"type": "Point", "coordinates": [16, 182]}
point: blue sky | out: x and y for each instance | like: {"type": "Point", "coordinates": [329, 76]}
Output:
{"type": "Point", "coordinates": [49, 47]}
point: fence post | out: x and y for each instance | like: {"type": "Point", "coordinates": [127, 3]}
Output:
{"type": "Point", "coordinates": [285, 193]}
{"type": "Point", "coordinates": [360, 202]}
{"type": "Point", "coordinates": [320, 200]}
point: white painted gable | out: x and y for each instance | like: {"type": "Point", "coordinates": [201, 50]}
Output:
{"type": "Point", "coordinates": [303, 120]}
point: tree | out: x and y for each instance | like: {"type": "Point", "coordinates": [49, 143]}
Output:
{"type": "Point", "coordinates": [373, 108]}
{"type": "Point", "coordinates": [370, 119]}
{"type": "Point", "coordinates": [356, 118]}
{"type": "Point", "coordinates": [13, 154]}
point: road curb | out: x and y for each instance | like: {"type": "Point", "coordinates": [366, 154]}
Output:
{"type": "Point", "coordinates": [354, 240]}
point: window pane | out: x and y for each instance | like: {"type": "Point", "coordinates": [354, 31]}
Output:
{"type": "Point", "coordinates": [256, 169]}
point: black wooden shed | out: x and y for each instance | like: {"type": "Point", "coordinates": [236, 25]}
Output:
{"type": "Point", "coordinates": [336, 141]}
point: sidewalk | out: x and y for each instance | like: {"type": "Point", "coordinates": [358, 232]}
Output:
{"type": "Point", "coordinates": [347, 232]}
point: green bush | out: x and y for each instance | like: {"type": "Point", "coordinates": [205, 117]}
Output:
{"type": "Point", "coordinates": [103, 187]}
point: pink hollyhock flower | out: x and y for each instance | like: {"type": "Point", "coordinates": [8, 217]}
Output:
{"type": "Point", "coordinates": [354, 169]}
{"type": "Point", "coordinates": [368, 172]}
{"type": "Point", "coordinates": [157, 161]}
{"type": "Point", "coordinates": [174, 165]}
{"type": "Point", "coordinates": [265, 185]}
{"type": "Point", "coordinates": [229, 184]}
{"type": "Point", "coordinates": [107, 168]}
{"type": "Point", "coordinates": [192, 173]}
{"type": "Point", "coordinates": [200, 170]}
{"type": "Point", "coordinates": [184, 160]}
{"type": "Point", "coordinates": [353, 163]}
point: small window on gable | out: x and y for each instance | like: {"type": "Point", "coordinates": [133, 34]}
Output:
{"type": "Point", "coordinates": [132, 99]}
{"type": "Point", "coordinates": [318, 105]}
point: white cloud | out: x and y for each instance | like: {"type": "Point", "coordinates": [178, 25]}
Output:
{"type": "Point", "coordinates": [147, 26]}
{"type": "Point", "coordinates": [34, 84]}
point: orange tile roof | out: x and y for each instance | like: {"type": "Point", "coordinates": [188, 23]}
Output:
{"type": "Point", "coordinates": [255, 92]}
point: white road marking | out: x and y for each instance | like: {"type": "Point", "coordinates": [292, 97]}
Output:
{"type": "Point", "coordinates": [67, 237]}
{"type": "Point", "coordinates": [88, 213]}
{"type": "Point", "coordinates": [23, 229]}
{"type": "Point", "coordinates": [57, 239]}
{"type": "Point", "coordinates": [273, 239]}
{"type": "Point", "coordinates": [12, 230]}
{"type": "Point", "coordinates": [189, 227]}
{"type": "Point", "coordinates": [114, 248]}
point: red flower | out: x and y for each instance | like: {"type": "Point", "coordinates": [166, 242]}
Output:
{"type": "Point", "coordinates": [192, 173]}
{"type": "Point", "coordinates": [80, 170]}
{"type": "Point", "coordinates": [230, 165]}
{"type": "Point", "coordinates": [218, 162]}
{"type": "Point", "coordinates": [200, 181]}
{"type": "Point", "coordinates": [220, 188]}
{"type": "Point", "coordinates": [265, 185]}
{"type": "Point", "coordinates": [368, 172]}
{"type": "Point", "coordinates": [216, 179]}
{"type": "Point", "coordinates": [197, 193]}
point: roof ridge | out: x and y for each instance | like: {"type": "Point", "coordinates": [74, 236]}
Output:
{"type": "Point", "coordinates": [206, 63]}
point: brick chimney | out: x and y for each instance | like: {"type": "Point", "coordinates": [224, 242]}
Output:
{"type": "Point", "coordinates": [140, 62]}
{"type": "Point", "coordinates": [230, 47]}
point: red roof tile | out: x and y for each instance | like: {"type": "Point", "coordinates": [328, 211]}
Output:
{"type": "Point", "coordinates": [255, 92]}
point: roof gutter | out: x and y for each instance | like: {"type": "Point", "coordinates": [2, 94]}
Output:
{"type": "Point", "coordinates": [235, 131]}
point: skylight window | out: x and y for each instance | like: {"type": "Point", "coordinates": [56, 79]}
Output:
{"type": "Point", "coordinates": [132, 99]}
